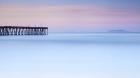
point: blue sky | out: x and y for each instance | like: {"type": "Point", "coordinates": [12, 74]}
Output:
{"type": "Point", "coordinates": [134, 3]}
{"type": "Point", "coordinates": [70, 15]}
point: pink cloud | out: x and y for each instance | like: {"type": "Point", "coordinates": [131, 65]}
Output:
{"type": "Point", "coordinates": [65, 16]}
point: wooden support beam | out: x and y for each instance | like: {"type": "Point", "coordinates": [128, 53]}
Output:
{"type": "Point", "coordinates": [22, 30]}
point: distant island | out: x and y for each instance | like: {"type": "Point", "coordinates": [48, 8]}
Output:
{"type": "Point", "coordinates": [120, 31]}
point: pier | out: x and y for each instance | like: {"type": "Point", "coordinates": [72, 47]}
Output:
{"type": "Point", "coordinates": [22, 30]}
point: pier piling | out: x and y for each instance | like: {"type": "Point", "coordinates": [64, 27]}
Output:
{"type": "Point", "coordinates": [22, 30]}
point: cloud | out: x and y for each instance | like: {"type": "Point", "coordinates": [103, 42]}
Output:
{"type": "Point", "coordinates": [68, 16]}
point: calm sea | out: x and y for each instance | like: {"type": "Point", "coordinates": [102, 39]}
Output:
{"type": "Point", "coordinates": [69, 55]}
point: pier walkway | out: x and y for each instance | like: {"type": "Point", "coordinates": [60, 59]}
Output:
{"type": "Point", "coordinates": [22, 30]}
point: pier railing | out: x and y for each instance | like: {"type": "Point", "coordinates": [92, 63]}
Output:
{"type": "Point", "coordinates": [22, 30]}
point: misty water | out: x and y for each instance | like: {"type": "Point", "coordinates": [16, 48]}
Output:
{"type": "Point", "coordinates": [69, 55]}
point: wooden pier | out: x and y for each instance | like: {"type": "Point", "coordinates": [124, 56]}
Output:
{"type": "Point", "coordinates": [22, 30]}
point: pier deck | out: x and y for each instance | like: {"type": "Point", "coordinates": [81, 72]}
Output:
{"type": "Point", "coordinates": [22, 30]}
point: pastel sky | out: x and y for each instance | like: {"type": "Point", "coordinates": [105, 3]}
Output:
{"type": "Point", "coordinates": [72, 15]}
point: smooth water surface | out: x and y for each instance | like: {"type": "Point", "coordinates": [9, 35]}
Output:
{"type": "Point", "coordinates": [98, 55]}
